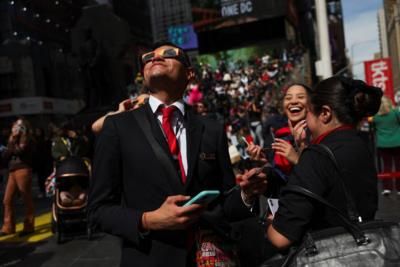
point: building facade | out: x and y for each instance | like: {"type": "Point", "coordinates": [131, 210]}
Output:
{"type": "Point", "coordinates": [392, 17]}
{"type": "Point", "coordinates": [383, 41]}
{"type": "Point", "coordinates": [35, 61]}
{"type": "Point", "coordinates": [68, 50]}
{"type": "Point", "coordinates": [166, 13]}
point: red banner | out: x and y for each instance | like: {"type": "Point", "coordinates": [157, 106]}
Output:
{"type": "Point", "coordinates": [378, 73]}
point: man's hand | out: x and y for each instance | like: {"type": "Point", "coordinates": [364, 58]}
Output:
{"type": "Point", "coordinates": [285, 149]}
{"type": "Point", "coordinates": [171, 216]}
{"type": "Point", "coordinates": [253, 183]}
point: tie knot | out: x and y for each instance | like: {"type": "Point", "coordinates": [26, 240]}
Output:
{"type": "Point", "coordinates": [167, 111]}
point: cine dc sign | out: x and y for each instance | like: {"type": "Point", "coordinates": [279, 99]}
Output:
{"type": "Point", "coordinates": [235, 8]}
{"type": "Point", "coordinates": [379, 73]}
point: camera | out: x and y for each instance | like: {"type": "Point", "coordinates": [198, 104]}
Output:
{"type": "Point", "coordinates": [21, 128]}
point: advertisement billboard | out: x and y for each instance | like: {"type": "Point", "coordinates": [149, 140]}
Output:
{"type": "Point", "coordinates": [378, 73]}
{"type": "Point", "coordinates": [216, 14]}
{"type": "Point", "coordinates": [183, 36]}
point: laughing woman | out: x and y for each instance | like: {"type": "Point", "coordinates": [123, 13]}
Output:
{"type": "Point", "coordinates": [291, 139]}
{"type": "Point", "coordinates": [336, 106]}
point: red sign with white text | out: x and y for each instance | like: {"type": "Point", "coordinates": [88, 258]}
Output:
{"type": "Point", "coordinates": [378, 73]}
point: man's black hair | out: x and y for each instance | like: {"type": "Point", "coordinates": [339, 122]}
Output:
{"type": "Point", "coordinates": [163, 43]}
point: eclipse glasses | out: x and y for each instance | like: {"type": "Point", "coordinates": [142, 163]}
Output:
{"type": "Point", "coordinates": [168, 52]}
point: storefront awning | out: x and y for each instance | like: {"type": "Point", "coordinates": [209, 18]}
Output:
{"type": "Point", "coordinates": [39, 105]}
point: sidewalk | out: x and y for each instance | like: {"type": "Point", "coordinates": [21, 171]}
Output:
{"type": "Point", "coordinates": [41, 248]}
{"type": "Point", "coordinates": [102, 251]}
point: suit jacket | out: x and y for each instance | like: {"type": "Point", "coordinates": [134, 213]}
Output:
{"type": "Point", "coordinates": [128, 179]}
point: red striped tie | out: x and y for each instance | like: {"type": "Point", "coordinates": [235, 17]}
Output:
{"type": "Point", "coordinates": [171, 137]}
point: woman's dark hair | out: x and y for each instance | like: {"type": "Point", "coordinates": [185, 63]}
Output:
{"type": "Point", "coordinates": [284, 92]}
{"type": "Point", "coordinates": [26, 135]}
{"type": "Point", "coordinates": [306, 87]}
{"type": "Point", "coordinates": [351, 100]}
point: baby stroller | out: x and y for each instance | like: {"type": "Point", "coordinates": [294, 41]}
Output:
{"type": "Point", "coordinates": [70, 198]}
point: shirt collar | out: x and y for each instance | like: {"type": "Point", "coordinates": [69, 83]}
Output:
{"type": "Point", "coordinates": [319, 139]}
{"type": "Point", "coordinates": [155, 103]}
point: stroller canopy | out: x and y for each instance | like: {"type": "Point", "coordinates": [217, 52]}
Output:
{"type": "Point", "coordinates": [72, 166]}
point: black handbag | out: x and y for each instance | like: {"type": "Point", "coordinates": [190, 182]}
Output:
{"type": "Point", "coordinates": [374, 243]}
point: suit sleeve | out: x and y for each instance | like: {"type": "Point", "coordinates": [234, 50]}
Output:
{"type": "Point", "coordinates": [105, 206]}
{"type": "Point", "coordinates": [234, 208]}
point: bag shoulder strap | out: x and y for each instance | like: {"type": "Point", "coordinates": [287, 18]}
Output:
{"type": "Point", "coordinates": [350, 226]}
{"type": "Point", "coordinates": [157, 149]}
{"type": "Point", "coordinates": [350, 204]}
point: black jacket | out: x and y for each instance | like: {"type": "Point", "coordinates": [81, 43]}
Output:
{"type": "Point", "coordinates": [128, 180]}
{"type": "Point", "coordinates": [317, 173]}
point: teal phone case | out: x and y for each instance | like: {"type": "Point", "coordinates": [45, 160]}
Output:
{"type": "Point", "coordinates": [203, 197]}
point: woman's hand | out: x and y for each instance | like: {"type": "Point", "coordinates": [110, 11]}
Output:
{"type": "Point", "coordinates": [299, 133]}
{"type": "Point", "coordinates": [15, 130]}
{"type": "Point", "coordinates": [285, 149]}
{"type": "Point", "coordinates": [256, 153]}
{"type": "Point", "coordinates": [124, 106]}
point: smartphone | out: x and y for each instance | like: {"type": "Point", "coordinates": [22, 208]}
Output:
{"type": "Point", "coordinates": [266, 149]}
{"type": "Point", "coordinates": [271, 132]}
{"type": "Point", "coordinates": [247, 164]}
{"type": "Point", "coordinates": [21, 128]}
{"type": "Point", "coordinates": [204, 197]}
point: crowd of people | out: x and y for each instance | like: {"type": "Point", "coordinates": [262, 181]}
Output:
{"type": "Point", "coordinates": [150, 160]}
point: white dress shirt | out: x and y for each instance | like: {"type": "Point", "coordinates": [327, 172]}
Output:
{"type": "Point", "coordinates": [180, 132]}
{"type": "Point", "coordinates": [177, 125]}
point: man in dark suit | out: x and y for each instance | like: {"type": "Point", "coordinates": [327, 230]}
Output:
{"type": "Point", "coordinates": [148, 162]}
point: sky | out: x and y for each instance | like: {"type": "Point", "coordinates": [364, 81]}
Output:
{"type": "Point", "coordinates": [361, 31]}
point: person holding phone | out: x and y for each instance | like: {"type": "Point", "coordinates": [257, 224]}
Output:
{"type": "Point", "coordinates": [290, 140]}
{"type": "Point", "coordinates": [149, 161]}
{"type": "Point", "coordinates": [336, 106]}
{"type": "Point", "coordinates": [19, 156]}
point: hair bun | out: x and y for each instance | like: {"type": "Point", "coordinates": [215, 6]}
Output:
{"type": "Point", "coordinates": [366, 99]}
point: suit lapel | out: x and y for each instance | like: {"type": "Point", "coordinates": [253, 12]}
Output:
{"type": "Point", "coordinates": [194, 128]}
{"type": "Point", "coordinates": [156, 130]}
{"type": "Point", "coordinates": [150, 130]}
